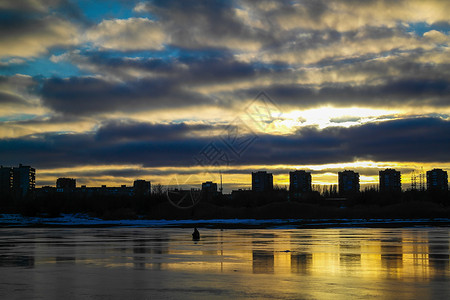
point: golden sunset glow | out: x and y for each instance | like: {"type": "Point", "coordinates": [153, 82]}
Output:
{"type": "Point", "coordinates": [234, 177]}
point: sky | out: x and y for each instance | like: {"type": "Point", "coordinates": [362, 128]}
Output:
{"type": "Point", "coordinates": [182, 92]}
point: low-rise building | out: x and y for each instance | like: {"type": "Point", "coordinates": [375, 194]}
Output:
{"type": "Point", "coordinates": [66, 184]}
{"type": "Point", "coordinates": [209, 187]}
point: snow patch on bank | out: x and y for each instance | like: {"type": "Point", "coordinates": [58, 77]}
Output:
{"type": "Point", "coordinates": [83, 220]}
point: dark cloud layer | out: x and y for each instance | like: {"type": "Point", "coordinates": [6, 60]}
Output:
{"type": "Point", "coordinates": [88, 96]}
{"type": "Point", "coordinates": [396, 92]}
{"type": "Point", "coordinates": [174, 82]}
{"type": "Point", "coordinates": [6, 98]}
{"type": "Point", "coordinates": [191, 67]}
{"type": "Point", "coordinates": [418, 139]}
{"type": "Point", "coordinates": [198, 24]}
{"type": "Point", "coordinates": [32, 28]}
{"type": "Point", "coordinates": [116, 131]}
{"type": "Point", "coordinates": [204, 41]}
{"type": "Point", "coordinates": [172, 88]}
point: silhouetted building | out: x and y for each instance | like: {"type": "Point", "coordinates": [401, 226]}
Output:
{"type": "Point", "coordinates": [348, 182]}
{"type": "Point", "coordinates": [24, 180]}
{"type": "Point", "coordinates": [437, 180]}
{"type": "Point", "coordinates": [390, 181]}
{"type": "Point", "coordinates": [45, 191]}
{"type": "Point", "coordinates": [299, 183]}
{"type": "Point", "coordinates": [66, 184]}
{"type": "Point", "coordinates": [122, 191]}
{"type": "Point", "coordinates": [19, 180]}
{"type": "Point", "coordinates": [209, 190]}
{"type": "Point", "coordinates": [142, 188]}
{"type": "Point", "coordinates": [262, 181]}
{"type": "Point", "coordinates": [6, 180]}
{"type": "Point", "coordinates": [240, 194]}
{"type": "Point", "coordinates": [209, 187]}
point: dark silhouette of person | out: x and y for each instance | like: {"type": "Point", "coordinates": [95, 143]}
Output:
{"type": "Point", "coordinates": [196, 234]}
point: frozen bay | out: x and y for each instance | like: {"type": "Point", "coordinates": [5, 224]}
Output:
{"type": "Point", "coordinates": [164, 263]}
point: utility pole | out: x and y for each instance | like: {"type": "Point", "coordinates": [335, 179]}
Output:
{"type": "Point", "coordinates": [221, 187]}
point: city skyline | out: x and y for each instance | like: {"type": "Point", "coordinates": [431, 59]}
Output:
{"type": "Point", "coordinates": [300, 181]}
{"type": "Point", "coordinates": [194, 91]}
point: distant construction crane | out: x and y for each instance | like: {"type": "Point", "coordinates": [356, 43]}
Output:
{"type": "Point", "coordinates": [422, 180]}
{"type": "Point", "coordinates": [418, 180]}
{"type": "Point", "coordinates": [413, 181]}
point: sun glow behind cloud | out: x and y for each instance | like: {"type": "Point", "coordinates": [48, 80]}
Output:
{"type": "Point", "coordinates": [327, 116]}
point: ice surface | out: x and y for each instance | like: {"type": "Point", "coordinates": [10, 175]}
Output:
{"type": "Point", "coordinates": [165, 263]}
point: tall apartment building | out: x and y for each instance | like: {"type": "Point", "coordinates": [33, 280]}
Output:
{"type": "Point", "coordinates": [6, 180]}
{"type": "Point", "coordinates": [24, 180]}
{"type": "Point", "coordinates": [437, 180]}
{"type": "Point", "coordinates": [348, 182]}
{"type": "Point", "coordinates": [262, 181]}
{"type": "Point", "coordinates": [299, 183]}
{"type": "Point", "coordinates": [142, 187]}
{"type": "Point", "coordinates": [390, 181]}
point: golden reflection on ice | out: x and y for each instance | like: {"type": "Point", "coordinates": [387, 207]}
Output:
{"type": "Point", "coordinates": [383, 263]}
{"type": "Point", "coordinates": [329, 252]}
{"type": "Point", "coordinates": [398, 254]}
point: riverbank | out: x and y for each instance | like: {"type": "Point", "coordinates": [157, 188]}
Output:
{"type": "Point", "coordinates": [82, 221]}
{"type": "Point", "coordinates": [287, 210]}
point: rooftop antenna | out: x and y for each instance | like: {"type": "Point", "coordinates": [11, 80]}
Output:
{"type": "Point", "coordinates": [221, 187]}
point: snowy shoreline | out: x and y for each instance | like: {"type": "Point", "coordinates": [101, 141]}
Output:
{"type": "Point", "coordinates": [83, 220]}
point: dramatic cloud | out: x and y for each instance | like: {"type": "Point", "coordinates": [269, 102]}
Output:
{"type": "Point", "coordinates": [348, 15]}
{"type": "Point", "coordinates": [121, 130]}
{"type": "Point", "coordinates": [418, 139]}
{"type": "Point", "coordinates": [32, 34]}
{"type": "Point", "coordinates": [128, 34]}
{"type": "Point", "coordinates": [332, 45]}
{"type": "Point", "coordinates": [30, 5]}
{"type": "Point", "coordinates": [393, 93]}
{"type": "Point", "coordinates": [17, 95]}
{"type": "Point", "coordinates": [93, 96]}
{"type": "Point", "coordinates": [199, 24]}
